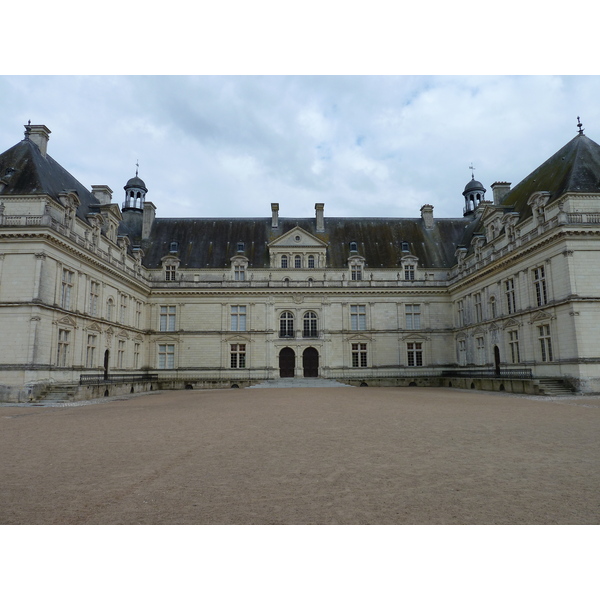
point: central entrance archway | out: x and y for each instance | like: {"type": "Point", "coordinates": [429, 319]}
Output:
{"type": "Point", "coordinates": [287, 362]}
{"type": "Point", "coordinates": [310, 362]}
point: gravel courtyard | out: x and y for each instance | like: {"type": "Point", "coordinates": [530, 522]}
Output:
{"type": "Point", "coordinates": [303, 456]}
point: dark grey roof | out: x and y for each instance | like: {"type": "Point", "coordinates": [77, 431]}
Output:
{"type": "Point", "coordinates": [210, 243]}
{"type": "Point", "coordinates": [574, 168]}
{"type": "Point", "coordinates": [474, 185]}
{"type": "Point", "coordinates": [135, 182]}
{"type": "Point", "coordinates": [26, 171]}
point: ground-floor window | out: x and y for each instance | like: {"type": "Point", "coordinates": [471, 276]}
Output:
{"type": "Point", "coordinates": [90, 355]}
{"type": "Point", "coordinates": [513, 344]}
{"type": "Point", "coordinates": [414, 353]}
{"type": "Point", "coordinates": [238, 356]}
{"type": "Point", "coordinates": [62, 351]}
{"type": "Point", "coordinates": [480, 342]}
{"type": "Point", "coordinates": [545, 343]}
{"type": "Point", "coordinates": [121, 354]}
{"type": "Point", "coordinates": [462, 352]}
{"type": "Point", "coordinates": [166, 356]}
{"type": "Point", "coordinates": [359, 355]}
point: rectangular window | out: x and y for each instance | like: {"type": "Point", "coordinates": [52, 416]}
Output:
{"type": "Point", "coordinates": [121, 354]}
{"type": "Point", "coordinates": [90, 354]}
{"type": "Point", "coordinates": [513, 344]}
{"type": "Point", "coordinates": [356, 271]}
{"type": "Point", "coordinates": [166, 356]}
{"type": "Point", "coordinates": [509, 286]}
{"type": "Point", "coordinates": [413, 316]}
{"type": "Point", "coordinates": [480, 343]}
{"type": "Point", "coordinates": [238, 356]}
{"type": "Point", "coordinates": [238, 318]}
{"type": "Point", "coordinates": [136, 356]}
{"type": "Point", "coordinates": [460, 306]}
{"type": "Point", "coordinates": [545, 343]}
{"type": "Point", "coordinates": [170, 271]}
{"type": "Point", "coordinates": [94, 293]}
{"type": "Point", "coordinates": [462, 352]}
{"type": "Point", "coordinates": [63, 347]}
{"type": "Point", "coordinates": [66, 289]}
{"type": "Point", "coordinates": [138, 314]}
{"type": "Point", "coordinates": [358, 317]}
{"type": "Point", "coordinates": [359, 355]}
{"type": "Point", "coordinates": [123, 310]}
{"type": "Point", "coordinates": [409, 272]}
{"type": "Point", "coordinates": [414, 352]}
{"type": "Point", "coordinates": [284, 262]}
{"type": "Point", "coordinates": [478, 309]}
{"type": "Point", "coordinates": [492, 307]}
{"type": "Point", "coordinates": [539, 281]}
{"type": "Point", "coordinates": [167, 318]}
{"type": "Point", "coordinates": [240, 273]}
{"type": "Point", "coordinates": [297, 262]}
{"type": "Point", "coordinates": [311, 262]}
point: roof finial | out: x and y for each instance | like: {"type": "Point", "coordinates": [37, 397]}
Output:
{"type": "Point", "coordinates": [137, 166]}
{"type": "Point", "coordinates": [472, 171]}
{"type": "Point", "coordinates": [28, 129]}
{"type": "Point", "coordinates": [581, 129]}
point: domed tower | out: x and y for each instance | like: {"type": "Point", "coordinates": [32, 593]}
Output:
{"type": "Point", "coordinates": [474, 194]}
{"type": "Point", "coordinates": [135, 193]}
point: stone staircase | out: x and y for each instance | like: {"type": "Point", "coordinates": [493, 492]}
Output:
{"type": "Point", "coordinates": [298, 382]}
{"type": "Point", "coordinates": [58, 394]}
{"type": "Point", "coordinates": [554, 387]}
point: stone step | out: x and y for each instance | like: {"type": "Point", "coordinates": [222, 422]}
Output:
{"type": "Point", "coordinates": [554, 387]}
{"type": "Point", "coordinates": [299, 382]}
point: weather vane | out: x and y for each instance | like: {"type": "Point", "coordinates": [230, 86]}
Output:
{"type": "Point", "coordinates": [137, 166]}
{"type": "Point", "coordinates": [581, 129]}
{"type": "Point", "coordinates": [472, 171]}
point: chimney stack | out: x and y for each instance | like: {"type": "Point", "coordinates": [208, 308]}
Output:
{"type": "Point", "coordinates": [39, 135]}
{"type": "Point", "coordinates": [427, 215]}
{"type": "Point", "coordinates": [102, 193]}
{"type": "Point", "coordinates": [274, 215]}
{"type": "Point", "coordinates": [500, 189]}
{"type": "Point", "coordinates": [319, 209]}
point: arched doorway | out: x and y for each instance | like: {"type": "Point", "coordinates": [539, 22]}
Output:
{"type": "Point", "coordinates": [287, 362]}
{"type": "Point", "coordinates": [310, 362]}
{"type": "Point", "coordinates": [106, 357]}
{"type": "Point", "coordinates": [497, 360]}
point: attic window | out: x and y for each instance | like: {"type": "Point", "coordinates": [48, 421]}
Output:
{"type": "Point", "coordinates": [174, 247]}
{"type": "Point", "coordinates": [353, 247]}
{"type": "Point", "coordinates": [405, 247]}
{"type": "Point", "coordinates": [240, 246]}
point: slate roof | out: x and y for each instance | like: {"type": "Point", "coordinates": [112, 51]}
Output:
{"type": "Point", "coordinates": [574, 168]}
{"type": "Point", "coordinates": [210, 243]}
{"type": "Point", "coordinates": [37, 174]}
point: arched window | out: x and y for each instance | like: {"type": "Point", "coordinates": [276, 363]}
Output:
{"type": "Point", "coordinates": [311, 261]}
{"type": "Point", "coordinates": [353, 247]}
{"type": "Point", "coordinates": [309, 329]}
{"type": "Point", "coordinates": [174, 247]}
{"type": "Point", "coordinates": [284, 262]}
{"type": "Point", "coordinates": [297, 262]}
{"type": "Point", "coordinates": [493, 307]}
{"type": "Point", "coordinates": [286, 325]}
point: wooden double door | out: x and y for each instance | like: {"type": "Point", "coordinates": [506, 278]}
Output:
{"type": "Point", "coordinates": [287, 362]}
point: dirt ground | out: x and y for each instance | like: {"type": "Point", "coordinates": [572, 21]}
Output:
{"type": "Point", "coordinates": [304, 456]}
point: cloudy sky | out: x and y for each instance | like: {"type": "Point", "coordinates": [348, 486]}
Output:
{"type": "Point", "coordinates": [224, 144]}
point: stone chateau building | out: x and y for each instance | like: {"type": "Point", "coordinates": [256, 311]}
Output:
{"type": "Point", "coordinates": [100, 295]}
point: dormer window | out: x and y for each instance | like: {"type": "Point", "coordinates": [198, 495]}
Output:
{"type": "Point", "coordinates": [353, 247]}
{"type": "Point", "coordinates": [240, 246]}
{"type": "Point", "coordinates": [170, 272]}
{"type": "Point", "coordinates": [174, 247]}
{"type": "Point", "coordinates": [240, 273]}
{"type": "Point", "coordinates": [356, 272]}
{"type": "Point", "coordinates": [405, 247]}
{"type": "Point", "coordinates": [409, 272]}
